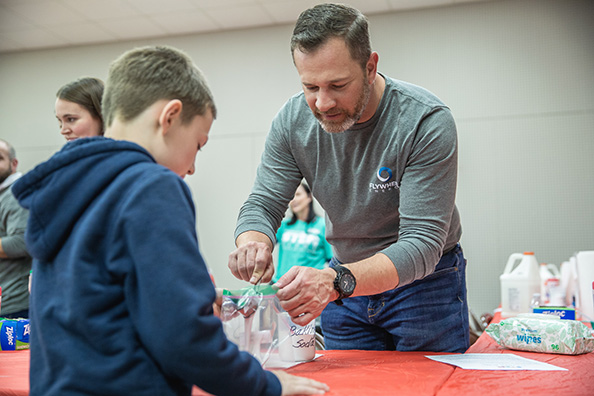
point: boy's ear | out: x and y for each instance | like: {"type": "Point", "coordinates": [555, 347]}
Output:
{"type": "Point", "coordinates": [171, 112]}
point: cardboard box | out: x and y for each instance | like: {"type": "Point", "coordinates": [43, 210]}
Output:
{"type": "Point", "coordinates": [14, 334]}
{"type": "Point", "coordinates": [561, 312]}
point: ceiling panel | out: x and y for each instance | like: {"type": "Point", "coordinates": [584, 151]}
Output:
{"type": "Point", "coordinates": [240, 16]}
{"type": "Point", "coordinates": [37, 24]}
{"type": "Point", "coordinates": [184, 22]}
{"type": "Point", "coordinates": [105, 9]}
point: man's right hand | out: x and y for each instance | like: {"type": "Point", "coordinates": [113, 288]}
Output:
{"type": "Point", "coordinates": [252, 260]}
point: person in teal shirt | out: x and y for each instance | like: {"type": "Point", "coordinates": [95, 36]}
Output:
{"type": "Point", "coordinates": [302, 238]}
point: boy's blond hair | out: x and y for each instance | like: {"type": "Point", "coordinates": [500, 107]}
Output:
{"type": "Point", "coordinates": [142, 76]}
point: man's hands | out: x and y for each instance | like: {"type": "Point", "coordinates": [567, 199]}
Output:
{"type": "Point", "coordinates": [305, 292]}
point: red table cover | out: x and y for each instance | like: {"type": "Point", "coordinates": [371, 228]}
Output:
{"type": "Point", "coordinates": [371, 373]}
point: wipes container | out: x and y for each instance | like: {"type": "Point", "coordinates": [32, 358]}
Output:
{"type": "Point", "coordinates": [519, 282]}
{"type": "Point", "coordinates": [542, 333]}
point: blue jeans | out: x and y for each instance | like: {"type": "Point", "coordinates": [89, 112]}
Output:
{"type": "Point", "coordinates": [430, 314]}
{"type": "Point", "coordinates": [15, 315]}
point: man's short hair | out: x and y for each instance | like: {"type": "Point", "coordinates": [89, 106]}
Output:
{"type": "Point", "coordinates": [316, 25]}
{"type": "Point", "coordinates": [142, 76]}
{"type": "Point", "coordinates": [11, 150]}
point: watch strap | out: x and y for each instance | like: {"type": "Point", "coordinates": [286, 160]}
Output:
{"type": "Point", "coordinates": [340, 272]}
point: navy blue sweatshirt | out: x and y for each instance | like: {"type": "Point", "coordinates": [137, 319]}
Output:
{"type": "Point", "coordinates": [121, 298]}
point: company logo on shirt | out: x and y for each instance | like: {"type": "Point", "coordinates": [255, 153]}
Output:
{"type": "Point", "coordinates": [384, 175]}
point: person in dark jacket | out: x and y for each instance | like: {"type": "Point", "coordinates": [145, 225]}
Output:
{"type": "Point", "coordinates": [121, 300]}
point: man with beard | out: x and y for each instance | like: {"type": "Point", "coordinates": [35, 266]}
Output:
{"type": "Point", "coordinates": [15, 262]}
{"type": "Point", "coordinates": [381, 158]}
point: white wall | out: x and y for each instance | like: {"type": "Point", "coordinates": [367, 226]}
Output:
{"type": "Point", "coordinates": [518, 75]}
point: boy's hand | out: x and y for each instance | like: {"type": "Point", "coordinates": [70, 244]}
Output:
{"type": "Point", "coordinates": [293, 385]}
{"type": "Point", "coordinates": [216, 306]}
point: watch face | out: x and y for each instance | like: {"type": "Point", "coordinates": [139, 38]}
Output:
{"type": "Point", "coordinates": [347, 283]}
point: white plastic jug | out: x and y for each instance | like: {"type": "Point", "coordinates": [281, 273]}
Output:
{"type": "Point", "coordinates": [551, 290]}
{"type": "Point", "coordinates": [585, 273]}
{"type": "Point", "coordinates": [519, 283]}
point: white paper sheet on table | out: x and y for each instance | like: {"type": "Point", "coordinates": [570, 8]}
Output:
{"type": "Point", "coordinates": [494, 361]}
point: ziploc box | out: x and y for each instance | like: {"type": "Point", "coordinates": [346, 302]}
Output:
{"type": "Point", "coordinates": [561, 312]}
{"type": "Point", "coordinates": [14, 334]}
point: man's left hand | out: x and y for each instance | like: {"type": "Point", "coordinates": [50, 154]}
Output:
{"type": "Point", "coordinates": [305, 292]}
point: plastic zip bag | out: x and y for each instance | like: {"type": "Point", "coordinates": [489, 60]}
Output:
{"type": "Point", "coordinates": [255, 321]}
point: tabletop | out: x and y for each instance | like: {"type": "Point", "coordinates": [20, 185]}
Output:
{"type": "Point", "coordinates": [381, 373]}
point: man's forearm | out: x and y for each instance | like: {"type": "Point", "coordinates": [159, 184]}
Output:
{"type": "Point", "coordinates": [304, 291]}
{"type": "Point", "coordinates": [253, 236]}
{"type": "Point", "coordinates": [374, 275]}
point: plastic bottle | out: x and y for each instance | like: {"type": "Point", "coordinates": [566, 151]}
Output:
{"type": "Point", "coordinates": [519, 283]}
{"type": "Point", "coordinates": [551, 292]}
{"type": "Point", "coordinates": [535, 302]}
{"type": "Point", "coordinates": [568, 283]}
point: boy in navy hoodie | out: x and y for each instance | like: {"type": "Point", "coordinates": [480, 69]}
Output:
{"type": "Point", "coordinates": [122, 302]}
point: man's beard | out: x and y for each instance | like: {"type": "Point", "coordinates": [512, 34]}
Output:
{"type": "Point", "coordinates": [351, 117]}
{"type": "Point", "coordinates": [4, 175]}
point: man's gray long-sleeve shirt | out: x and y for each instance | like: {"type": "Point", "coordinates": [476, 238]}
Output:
{"type": "Point", "coordinates": [387, 185]}
{"type": "Point", "coordinates": [14, 270]}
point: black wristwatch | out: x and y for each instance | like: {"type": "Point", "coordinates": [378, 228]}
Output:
{"type": "Point", "coordinates": [344, 283]}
